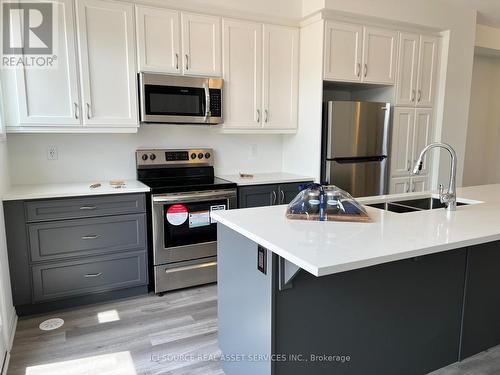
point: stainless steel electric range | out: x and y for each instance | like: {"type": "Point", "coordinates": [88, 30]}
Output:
{"type": "Point", "coordinates": [184, 193]}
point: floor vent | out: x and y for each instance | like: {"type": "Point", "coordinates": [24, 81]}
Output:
{"type": "Point", "coordinates": [51, 324]}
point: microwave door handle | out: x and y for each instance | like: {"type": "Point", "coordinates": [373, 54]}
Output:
{"type": "Point", "coordinates": [207, 102]}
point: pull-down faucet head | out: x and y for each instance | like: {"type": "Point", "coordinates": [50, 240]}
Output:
{"type": "Point", "coordinates": [418, 166]}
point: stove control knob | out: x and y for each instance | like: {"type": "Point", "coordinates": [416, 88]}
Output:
{"type": "Point", "coordinates": [200, 156]}
{"type": "Point", "coordinates": [193, 156]}
{"type": "Point", "coordinates": [144, 157]}
{"type": "Point", "coordinates": [207, 155]}
{"type": "Point", "coordinates": [152, 156]}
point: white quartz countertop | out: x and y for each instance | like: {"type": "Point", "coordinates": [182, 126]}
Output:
{"type": "Point", "coordinates": [266, 178]}
{"type": "Point", "coordinates": [323, 248]}
{"type": "Point", "coordinates": [25, 192]}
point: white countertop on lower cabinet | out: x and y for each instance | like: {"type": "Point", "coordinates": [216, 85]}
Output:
{"type": "Point", "coordinates": [266, 178]}
{"type": "Point", "coordinates": [323, 248]}
{"type": "Point", "coordinates": [76, 189]}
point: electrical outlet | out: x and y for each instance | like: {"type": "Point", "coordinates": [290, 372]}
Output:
{"type": "Point", "coordinates": [52, 153]}
{"type": "Point", "coordinates": [254, 150]}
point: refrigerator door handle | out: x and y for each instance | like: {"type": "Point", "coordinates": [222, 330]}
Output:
{"type": "Point", "coordinates": [364, 159]}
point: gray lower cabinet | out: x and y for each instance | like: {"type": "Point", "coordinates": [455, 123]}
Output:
{"type": "Point", "coordinates": [267, 195]}
{"type": "Point", "coordinates": [89, 275]}
{"type": "Point", "coordinates": [82, 237]}
{"type": "Point", "coordinates": [257, 196]}
{"type": "Point", "coordinates": [64, 252]}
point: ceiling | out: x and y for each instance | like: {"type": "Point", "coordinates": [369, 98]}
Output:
{"type": "Point", "coordinates": [488, 10]}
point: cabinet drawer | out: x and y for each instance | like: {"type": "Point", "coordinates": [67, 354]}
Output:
{"type": "Point", "coordinates": [67, 279]}
{"type": "Point", "coordinates": [81, 237]}
{"type": "Point", "coordinates": [56, 209]}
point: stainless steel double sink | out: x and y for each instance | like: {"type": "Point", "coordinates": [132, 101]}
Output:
{"type": "Point", "coordinates": [412, 205]}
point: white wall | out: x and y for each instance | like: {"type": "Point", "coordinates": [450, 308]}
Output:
{"type": "Point", "coordinates": [7, 310]}
{"type": "Point", "coordinates": [89, 157]}
{"type": "Point", "coordinates": [454, 95]}
{"type": "Point", "coordinates": [482, 164]}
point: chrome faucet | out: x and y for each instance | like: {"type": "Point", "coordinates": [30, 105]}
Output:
{"type": "Point", "coordinates": [450, 197]}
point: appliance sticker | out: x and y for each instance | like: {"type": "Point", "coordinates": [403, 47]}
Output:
{"type": "Point", "coordinates": [220, 207]}
{"type": "Point", "coordinates": [177, 214]}
{"type": "Point", "coordinates": [199, 219]}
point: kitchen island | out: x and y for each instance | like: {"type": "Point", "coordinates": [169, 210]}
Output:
{"type": "Point", "coordinates": [406, 294]}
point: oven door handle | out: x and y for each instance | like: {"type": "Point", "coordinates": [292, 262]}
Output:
{"type": "Point", "coordinates": [194, 197]}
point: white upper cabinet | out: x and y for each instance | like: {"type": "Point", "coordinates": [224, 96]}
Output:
{"type": "Point", "coordinates": [158, 39]}
{"type": "Point", "coordinates": [417, 70]}
{"type": "Point", "coordinates": [201, 44]}
{"type": "Point", "coordinates": [379, 55]}
{"type": "Point", "coordinates": [49, 96]}
{"type": "Point", "coordinates": [242, 73]}
{"type": "Point", "coordinates": [281, 73]}
{"type": "Point", "coordinates": [343, 51]}
{"type": "Point", "coordinates": [422, 136]}
{"type": "Point", "coordinates": [402, 141]}
{"type": "Point", "coordinates": [107, 61]}
{"type": "Point", "coordinates": [354, 53]}
{"type": "Point", "coordinates": [427, 71]}
{"type": "Point", "coordinates": [406, 86]}
{"type": "Point", "coordinates": [260, 71]}
{"type": "Point", "coordinates": [412, 131]}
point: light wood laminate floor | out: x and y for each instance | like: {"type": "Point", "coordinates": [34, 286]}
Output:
{"type": "Point", "coordinates": [175, 334]}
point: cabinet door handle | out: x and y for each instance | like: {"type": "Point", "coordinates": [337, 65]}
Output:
{"type": "Point", "coordinates": [91, 275]}
{"type": "Point", "coordinates": [90, 237]}
{"type": "Point", "coordinates": [282, 193]}
{"type": "Point", "coordinates": [366, 70]}
{"type": "Point", "coordinates": [413, 95]}
{"type": "Point", "coordinates": [176, 61]}
{"type": "Point", "coordinates": [258, 115]}
{"type": "Point", "coordinates": [419, 95]}
{"type": "Point", "coordinates": [274, 198]}
{"type": "Point", "coordinates": [88, 111]}
{"type": "Point", "coordinates": [358, 69]}
{"type": "Point", "coordinates": [187, 62]}
{"type": "Point", "coordinates": [75, 104]}
{"type": "Point", "coordinates": [266, 112]}
{"type": "Point", "coordinates": [88, 208]}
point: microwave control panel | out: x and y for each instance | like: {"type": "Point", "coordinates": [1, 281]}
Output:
{"type": "Point", "coordinates": [216, 102]}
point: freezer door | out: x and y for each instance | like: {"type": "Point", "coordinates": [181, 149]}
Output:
{"type": "Point", "coordinates": [361, 178]}
{"type": "Point", "coordinates": [356, 129]}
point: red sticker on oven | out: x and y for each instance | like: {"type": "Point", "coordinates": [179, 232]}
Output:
{"type": "Point", "coordinates": [177, 214]}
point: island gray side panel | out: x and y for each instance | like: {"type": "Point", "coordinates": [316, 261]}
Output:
{"type": "Point", "coordinates": [245, 303]}
{"type": "Point", "coordinates": [481, 324]}
{"type": "Point", "coordinates": [396, 318]}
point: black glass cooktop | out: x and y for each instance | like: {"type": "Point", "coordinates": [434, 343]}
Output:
{"type": "Point", "coordinates": [176, 180]}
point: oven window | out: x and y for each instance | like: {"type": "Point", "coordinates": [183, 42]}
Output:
{"type": "Point", "coordinates": [190, 223]}
{"type": "Point", "coordinates": [174, 101]}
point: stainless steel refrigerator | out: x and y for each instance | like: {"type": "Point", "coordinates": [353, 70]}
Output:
{"type": "Point", "coordinates": [355, 146]}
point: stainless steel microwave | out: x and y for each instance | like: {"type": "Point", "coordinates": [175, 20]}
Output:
{"type": "Point", "coordinates": [171, 99]}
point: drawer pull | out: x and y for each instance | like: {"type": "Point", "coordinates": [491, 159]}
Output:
{"type": "Point", "coordinates": [90, 237]}
{"type": "Point", "coordinates": [193, 267]}
{"type": "Point", "coordinates": [91, 275]}
{"type": "Point", "coordinates": [88, 208]}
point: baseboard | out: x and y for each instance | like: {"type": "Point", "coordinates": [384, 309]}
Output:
{"type": "Point", "coordinates": [12, 329]}
{"type": "Point", "coordinates": [6, 364]}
